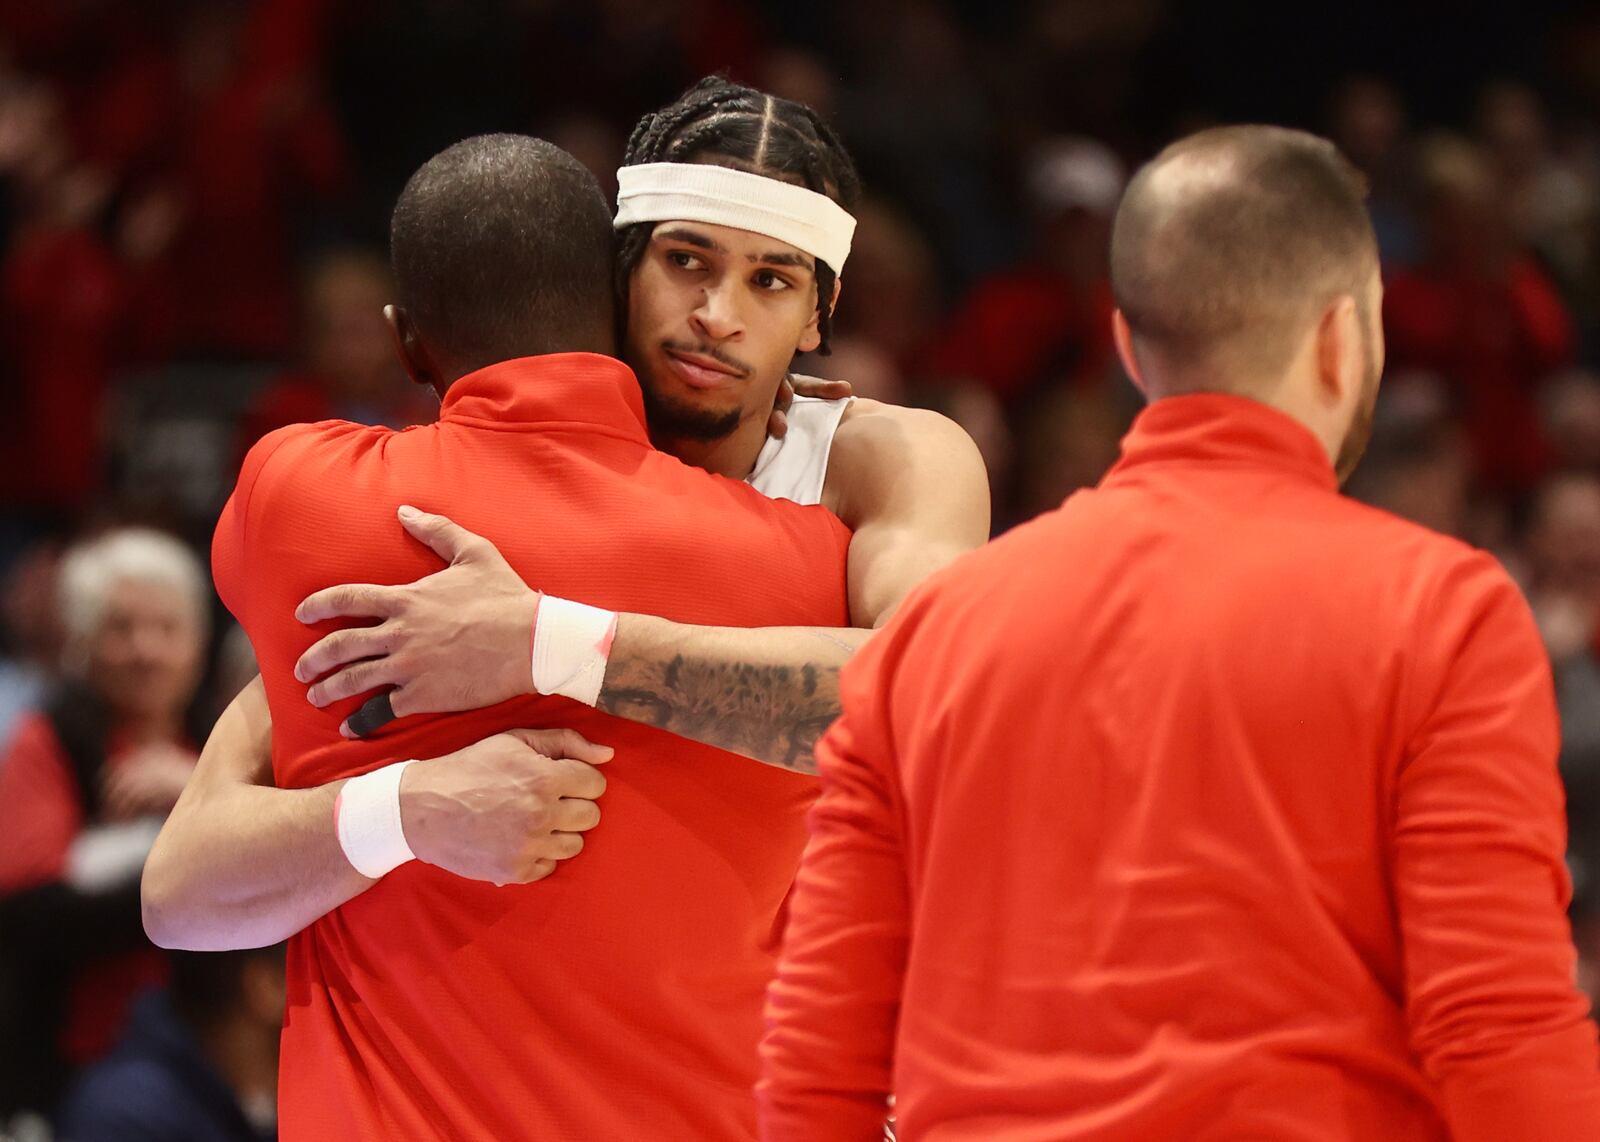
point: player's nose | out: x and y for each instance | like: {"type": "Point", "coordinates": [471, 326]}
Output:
{"type": "Point", "coordinates": [717, 317]}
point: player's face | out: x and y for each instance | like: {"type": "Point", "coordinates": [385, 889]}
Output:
{"type": "Point", "coordinates": [715, 316]}
{"type": "Point", "coordinates": [1372, 347]}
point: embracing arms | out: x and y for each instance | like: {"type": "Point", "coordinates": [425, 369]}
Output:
{"type": "Point", "coordinates": [242, 864]}
{"type": "Point", "coordinates": [913, 490]}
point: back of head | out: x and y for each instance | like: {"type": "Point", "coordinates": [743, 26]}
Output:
{"type": "Point", "coordinates": [727, 124]}
{"type": "Point", "coordinates": [502, 246]}
{"type": "Point", "coordinates": [1227, 247]}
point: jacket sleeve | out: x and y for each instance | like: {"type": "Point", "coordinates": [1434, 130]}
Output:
{"type": "Point", "coordinates": [833, 1008]}
{"type": "Point", "coordinates": [1481, 886]}
{"type": "Point", "coordinates": [232, 544]}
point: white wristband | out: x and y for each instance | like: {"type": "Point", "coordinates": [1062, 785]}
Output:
{"type": "Point", "coordinates": [571, 643]}
{"type": "Point", "coordinates": [366, 815]}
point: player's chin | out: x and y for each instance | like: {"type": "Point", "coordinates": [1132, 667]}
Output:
{"type": "Point", "coordinates": [713, 402]}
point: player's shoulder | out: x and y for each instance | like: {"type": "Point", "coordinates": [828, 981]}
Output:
{"type": "Point", "coordinates": [319, 433]}
{"type": "Point", "coordinates": [879, 443]}
{"type": "Point", "coordinates": [296, 466]}
{"type": "Point", "coordinates": [872, 419]}
{"type": "Point", "coordinates": [1449, 571]}
{"type": "Point", "coordinates": [1401, 540]}
{"type": "Point", "coordinates": [312, 446]}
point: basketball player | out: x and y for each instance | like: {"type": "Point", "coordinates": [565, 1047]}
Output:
{"type": "Point", "coordinates": [623, 996]}
{"type": "Point", "coordinates": [242, 863]}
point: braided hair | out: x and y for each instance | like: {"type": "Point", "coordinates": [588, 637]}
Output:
{"type": "Point", "coordinates": [736, 126]}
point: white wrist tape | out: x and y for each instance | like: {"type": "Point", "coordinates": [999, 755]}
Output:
{"type": "Point", "coordinates": [571, 643]}
{"type": "Point", "coordinates": [366, 816]}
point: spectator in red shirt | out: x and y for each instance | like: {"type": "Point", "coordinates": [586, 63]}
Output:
{"type": "Point", "coordinates": [1050, 318]}
{"type": "Point", "coordinates": [1481, 313]}
{"type": "Point", "coordinates": [61, 299]}
{"type": "Point", "coordinates": [84, 786]}
{"type": "Point", "coordinates": [229, 115]}
{"type": "Point", "coordinates": [349, 371]}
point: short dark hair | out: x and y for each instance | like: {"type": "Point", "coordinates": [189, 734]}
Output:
{"type": "Point", "coordinates": [1238, 231]}
{"type": "Point", "coordinates": [730, 125]}
{"type": "Point", "coordinates": [501, 246]}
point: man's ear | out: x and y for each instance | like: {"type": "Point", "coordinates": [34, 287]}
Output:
{"type": "Point", "coordinates": [1339, 351]}
{"type": "Point", "coordinates": [414, 356]}
{"type": "Point", "coordinates": [811, 335]}
{"type": "Point", "coordinates": [1122, 334]}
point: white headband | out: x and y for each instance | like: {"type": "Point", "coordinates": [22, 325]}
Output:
{"type": "Point", "coordinates": [722, 196]}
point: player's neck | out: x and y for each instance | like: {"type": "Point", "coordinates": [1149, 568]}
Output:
{"type": "Point", "coordinates": [733, 455]}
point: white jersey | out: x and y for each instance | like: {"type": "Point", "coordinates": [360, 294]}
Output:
{"type": "Point", "coordinates": [796, 467]}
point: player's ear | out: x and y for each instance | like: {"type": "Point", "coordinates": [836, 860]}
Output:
{"type": "Point", "coordinates": [414, 356]}
{"type": "Point", "coordinates": [1339, 351]}
{"type": "Point", "coordinates": [1123, 336]}
{"type": "Point", "coordinates": [833, 302]}
{"type": "Point", "coordinates": [811, 335]}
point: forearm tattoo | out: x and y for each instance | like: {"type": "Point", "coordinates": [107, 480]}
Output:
{"type": "Point", "coordinates": [772, 713]}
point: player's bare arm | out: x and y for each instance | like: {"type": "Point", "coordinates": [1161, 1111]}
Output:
{"type": "Point", "coordinates": [240, 863]}
{"type": "Point", "coordinates": [911, 485]}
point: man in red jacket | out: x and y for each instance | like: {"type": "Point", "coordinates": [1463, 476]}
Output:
{"type": "Point", "coordinates": [1212, 805]}
{"type": "Point", "coordinates": [625, 995]}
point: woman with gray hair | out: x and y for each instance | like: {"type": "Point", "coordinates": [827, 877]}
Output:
{"type": "Point", "coordinates": [84, 785]}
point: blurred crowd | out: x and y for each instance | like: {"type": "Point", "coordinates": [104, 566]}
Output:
{"type": "Point", "coordinates": [193, 197]}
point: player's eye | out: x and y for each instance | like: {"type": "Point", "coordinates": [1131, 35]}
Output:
{"type": "Point", "coordinates": [684, 260]}
{"type": "Point", "coordinates": [774, 283]}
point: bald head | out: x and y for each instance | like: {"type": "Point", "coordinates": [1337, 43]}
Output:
{"type": "Point", "coordinates": [1227, 247]}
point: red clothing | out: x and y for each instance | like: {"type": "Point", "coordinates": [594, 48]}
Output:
{"type": "Point", "coordinates": [63, 295]}
{"type": "Point", "coordinates": [1212, 805]}
{"type": "Point", "coordinates": [1019, 329]}
{"type": "Point", "coordinates": [40, 808]}
{"type": "Point", "coordinates": [1494, 341]}
{"type": "Point", "coordinates": [620, 998]}
{"type": "Point", "coordinates": [304, 398]}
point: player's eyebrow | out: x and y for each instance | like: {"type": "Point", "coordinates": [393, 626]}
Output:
{"type": "Point", "coordinates": [782, 259]}
{"type": "Point", "coordinates": [705, 242]}
{"type": "Point", "coordinates": [688, 238]}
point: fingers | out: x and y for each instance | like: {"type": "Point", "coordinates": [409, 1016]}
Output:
{"type": "Point", "coordinates": [117, 796]}
{"type": "Point", "coordinates": [576, 778]}
{"type": "Point", "coordinates": [574, 815]}
{"type": "Point", "coordinates": [374, 714]}
{"type": "Point", "coordinates": [349, 601]}
{"type": "Point", "coordinates": [824, 390]}
{"type": "Point", "coordinates": [564, 743]}
{"type": "Point", "coordinates": [561, 846]}
{"type": "Point", "coordinates": [343, 647]}
{"type": "Point", "coordinates": [552, 849]}
{"type": "Point", "coordinates": [539, 869]}
{"type": "Point", "coordinates": [448, 539]}
{"type": "Point", "coordinates": [354, 679]}
{"type": "Point", "coordinates": [778, 424]}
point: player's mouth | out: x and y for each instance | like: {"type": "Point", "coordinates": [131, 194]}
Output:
{"type": "Point", "coordinates": [702, 372]}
